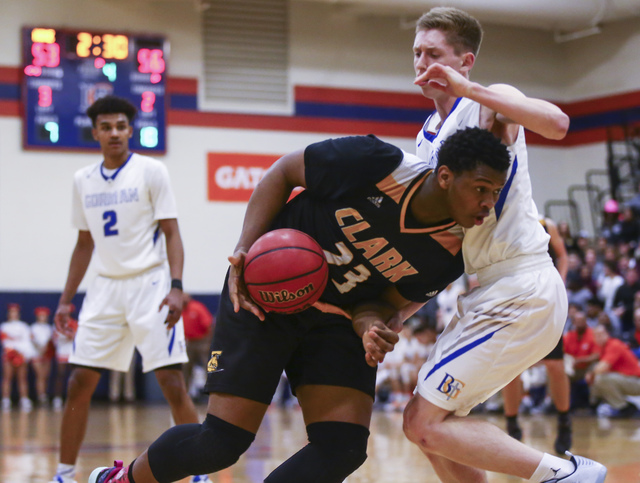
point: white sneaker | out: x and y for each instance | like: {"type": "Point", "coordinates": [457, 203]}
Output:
{"type": "Point", "coordinates": [587, 471]}
{"type": "Point", "coordinates": [57, 403]}
{"type": "Point", "coordinates": [6, 404]}
{"type": "Point", "coordinates": [25, 404]}
{"type": "Point", "coordinates": [200, 479]}
{"type": "Point", "coordinates": [62, 479]}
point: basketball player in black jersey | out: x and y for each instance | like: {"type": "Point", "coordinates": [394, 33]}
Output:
{"type": "Point", "coordinates": [390, 229]}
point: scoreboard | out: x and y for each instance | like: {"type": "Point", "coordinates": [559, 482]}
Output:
{"type": "Point", "coordinates": [65, 71]}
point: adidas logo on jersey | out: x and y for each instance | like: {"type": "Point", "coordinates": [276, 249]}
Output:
{"type": "Point", "coordinates": [376, 200]}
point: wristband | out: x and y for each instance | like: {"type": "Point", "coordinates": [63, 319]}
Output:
{"type": "Point", "coordinates": [176, 283]}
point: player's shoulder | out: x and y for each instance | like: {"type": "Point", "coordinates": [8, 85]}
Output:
{"type": "Point", "coordinates": [147, 163]}
{"type": "Point", "coordinates": [88, 171]}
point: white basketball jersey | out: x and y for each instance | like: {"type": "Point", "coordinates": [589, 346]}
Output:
{"type": "Point", "coordinates": [512, 229]}
{"type": "Point", "coordinates": [121, 211]}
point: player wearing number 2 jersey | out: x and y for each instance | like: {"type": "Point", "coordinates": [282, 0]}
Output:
{"type": "Point", "coordinates": [387, 224]}
{"type": "Point", "coordinates": [126, 218]}
{"type": "Point", "coordinates": [516, 315]}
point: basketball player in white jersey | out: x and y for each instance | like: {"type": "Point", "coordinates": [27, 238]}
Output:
{"type": "Point", "coordinates": [515, 317]}
{"type": "Point", "coordinates": [125, 213]}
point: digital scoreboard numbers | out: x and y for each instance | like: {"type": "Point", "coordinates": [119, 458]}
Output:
{"type": "Point", "coordinates": [65, 71]}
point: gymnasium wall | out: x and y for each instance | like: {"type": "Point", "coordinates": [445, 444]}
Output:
{"type": "Point", "coordinates": [352, 75]}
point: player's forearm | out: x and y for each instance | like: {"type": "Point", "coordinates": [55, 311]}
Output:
{"type": "Point", "coordinates": [175, 254]}
{"type": "Point", "coordinates": [537, 115]}
{"type": "Point", "coordinates": [364, 316]}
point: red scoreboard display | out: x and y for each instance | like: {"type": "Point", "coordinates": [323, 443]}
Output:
{"type": "Point", "coordinates": [65, 71]}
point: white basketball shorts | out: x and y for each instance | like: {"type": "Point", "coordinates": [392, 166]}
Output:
{"type": "Point", "coordinates": [119, 315]}
{"type": "Point", "coordinates": [511, 321]}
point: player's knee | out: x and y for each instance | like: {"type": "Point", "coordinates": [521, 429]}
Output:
{"type": "Point", "coordinates": [196, 449]}
{"type": "Point", "coordinates": [418, 428]}
{"type": "Point", "coordinates": [343, 446]}
{"type": "Point", "coordinates": [81, 384]}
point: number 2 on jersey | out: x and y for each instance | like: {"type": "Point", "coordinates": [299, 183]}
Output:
{"type": "Point", "coordinates": [111, 219]}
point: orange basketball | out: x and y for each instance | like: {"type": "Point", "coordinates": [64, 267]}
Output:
{"type": "Point", "coordinates": [285, 271]}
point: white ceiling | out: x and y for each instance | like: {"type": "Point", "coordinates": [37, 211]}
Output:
{"type": "Point", "coordinates": [555, 15]}
{"type": "Point", "coordinates": [568, 19]}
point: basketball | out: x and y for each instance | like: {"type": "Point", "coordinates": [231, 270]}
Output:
{"type": "Point", "coordinates": [285, 271]}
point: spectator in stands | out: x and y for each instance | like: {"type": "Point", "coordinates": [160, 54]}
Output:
{"type": "Point", "coordinates": [627, 229]}
{"type": "Point", "coordinates": [634, 340]}
{"type": "Point", "coordinates": [614, 377]}
{"type": "Point", "coordinates": [624, 299]}
{"type": "Point", "coordinates": [595, 307]}
{"type": "Point", "coordinates": [15, 337]}
{"type": "Point", "coordinates": [577, 292]}
{"type": "Point", "coordinates": [582, 352]}
{"type": "Point", "coordinates": [569, 241]}
{"type": "Point", "coordinates": [41, 336]}
{"type": "Point", "coordinates": [198, 330]}
{"type": "Point", "coordinates": [634, 203]}
{"type": "Point", "coordinates": [595, 266]}
{"type": "Point", "coordinates": [609, 219]}
{"type": "Point", "coordinates": [609, 284]}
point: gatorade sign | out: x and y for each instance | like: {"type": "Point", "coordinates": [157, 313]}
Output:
{"type": "Point", "coordinates": [234, 176]}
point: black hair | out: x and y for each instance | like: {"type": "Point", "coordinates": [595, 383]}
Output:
{"type": "Point", "coordinates": [111, 105]}
{"type": "Point", "coordinates": [468, 148]}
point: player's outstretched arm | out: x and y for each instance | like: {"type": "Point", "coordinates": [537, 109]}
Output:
{"type": "Point", "coordinates": [80, 259]}
{"type": "Point", "coordinates": [175, 256]}
{"type": "Point", "coordinates": [505, 104]}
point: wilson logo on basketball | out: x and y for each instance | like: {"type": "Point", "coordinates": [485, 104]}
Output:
{"type": "Point", "coordinates": [282, 296]}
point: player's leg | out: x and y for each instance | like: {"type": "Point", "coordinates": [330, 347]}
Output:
{"type": "Point", "coordinates": [247, 359]}
{"type": "Point", "coordinates": [162, 350]}
{"type": "Point", "coordinates": [23, 386]}
{"type": "Point", "coordinates": [82, 384]}
{"type": "Point", "coordinates": [103, 341]}
{"type": "Point", "coordinates": [335, 388]}
{"type": "Point", "coordinates": [337, 421]}
{"type": "Point", "coordinates": [174, 389]}
{"type": "Point", "coordinates": [560, 389]}
{"type": "Point", "coordinates": [7, 381]}
{"type": "Point", "coordinates": [188, 449]}
{"type": "Point", "coordinates": [512, 397]}
{"type": "Point", "coordinates": [493, 342]}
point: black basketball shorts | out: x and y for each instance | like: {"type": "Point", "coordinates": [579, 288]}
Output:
{"type": "Point", "coordinates": [248, 356]}
{"type": "Point", "coordinates": [557, 352]}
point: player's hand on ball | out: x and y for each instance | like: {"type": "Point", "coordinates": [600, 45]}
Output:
{"type": "Point", "coordinates": [378, 340]}
{"type": "Point", "coordinates": [237, 291]}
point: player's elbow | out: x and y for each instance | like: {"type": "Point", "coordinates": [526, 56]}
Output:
{"type": "Point", "coordinates": [558, 126]}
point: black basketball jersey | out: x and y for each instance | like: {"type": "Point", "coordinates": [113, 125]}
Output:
{"type": "Point", "coordinates": [356, 206]}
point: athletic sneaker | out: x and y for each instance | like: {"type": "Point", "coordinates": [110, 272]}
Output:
{"type": "Point", "coordinates": [200, 479]}
{"type": "Point", "coordinates": [62, 479]}
{"type": "Point", "coordinates": [110, 474]}
{"type": "Point", "coordinates": [587, 471]}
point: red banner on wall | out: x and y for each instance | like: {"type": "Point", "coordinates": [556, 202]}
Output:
{"type": "Point", "coordinates": [234, 176]}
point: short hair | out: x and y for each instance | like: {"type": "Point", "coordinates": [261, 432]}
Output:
{"type": "Point", "coordinates": [111, 105]}
{"type": "Point", "coordinates": [468, 148]}
{"type": "Point", "coordinates": [463, 32]}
